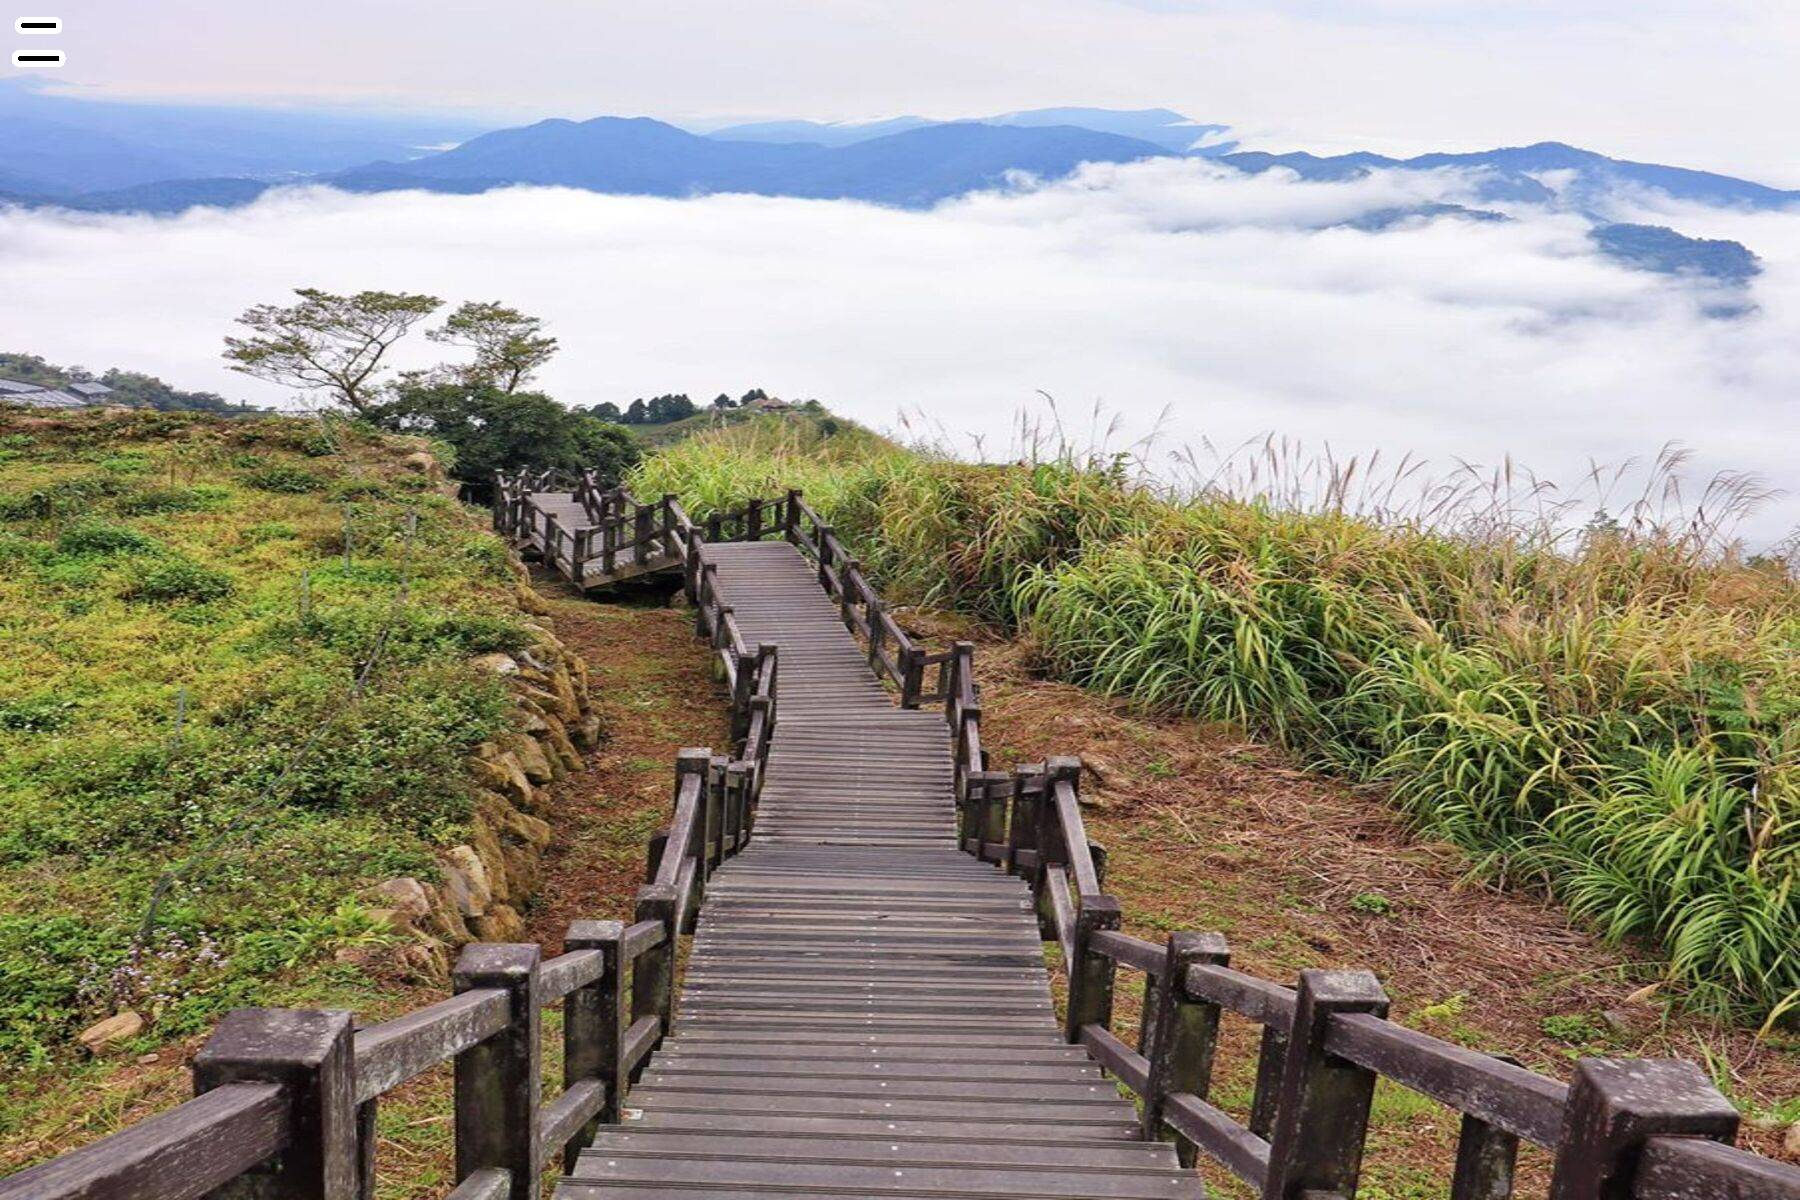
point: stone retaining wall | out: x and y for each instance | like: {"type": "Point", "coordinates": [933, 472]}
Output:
{"type": "Point", "coordinates": [485, 880]}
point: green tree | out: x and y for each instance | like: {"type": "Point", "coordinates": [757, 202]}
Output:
{"type": "Point", "coordinates": [493, 429]}
{"type": "Point", "coordinates": [666, 408]}
{"type": "Point", "coordinates": [606, 410]}
{"type": "Point", "coordinates": [509, 346]}
{"type": "Point", "coordinates": [328, 343]}
{"type": "Point", "coordinates": [637, 414]}
{"type": "Point", "coordinates": [723, 401]}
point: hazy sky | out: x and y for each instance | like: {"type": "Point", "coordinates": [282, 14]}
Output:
{"type": "Point", "coordinates": [1709, 83]}
{"type": "Point", "coordinates": [1176, 294]}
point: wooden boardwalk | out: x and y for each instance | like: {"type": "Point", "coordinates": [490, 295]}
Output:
{"type": "Point", "coordinates": [866, 1010]}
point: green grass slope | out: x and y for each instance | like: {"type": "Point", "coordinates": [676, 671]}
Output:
{"type": "Point", "coordinates": [207, 697]}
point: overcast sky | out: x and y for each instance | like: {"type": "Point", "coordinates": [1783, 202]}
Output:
{"type": "Point", "coordinates": [1706, 83]}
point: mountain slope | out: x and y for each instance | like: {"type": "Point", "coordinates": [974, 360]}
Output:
{"type": "Point", "coordinates": [144, 143]}
{"type": "Point", "coordinates": [1539, 173]}
{"type": "Point", "coordinates": [640, 156]}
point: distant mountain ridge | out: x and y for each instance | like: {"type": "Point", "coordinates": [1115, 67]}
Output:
{"type": "Point", "coordinates": [1159, 126]}
{"type": "Point", "coordinates": [100, 157]}
{"type": "Point", "coordinates": [639, 156]}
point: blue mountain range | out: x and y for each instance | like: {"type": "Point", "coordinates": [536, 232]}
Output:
{"type": "Point", "coordinates": [114, 157]}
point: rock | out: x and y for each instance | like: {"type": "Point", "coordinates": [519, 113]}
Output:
{"type": "Point", "coordinates": [531, 758]}
{"type": "Point", "coordinates": [1618, 1020]}
{"type": "Point", "coordinates": [446, 916]}
{"type": "Point", "coordinates": [145, 1060]}
{"type": "Point", "coordinates": [500, 770]}
{"type": "Point", "coordinates": [499, 664]}
{"type": "Point", "coordinates": [568, 703]}
{"type": "Point", "coordinates": [468, 880]}
{"type": "Point", "coordinates": [523, 867]}
{"type": "Point", "coordinates": [392, 919]}
{"type": "Point", "coordinates": [102, 1036]}
{"type": "Point", "coordinates": [1790, 1142]}
{"type": "Point", "coordinates": [424, 962]}
{"type": "Point", "coordinates": [502, 924]}
{"type": "Point", "coordinates": [420, 463]}
{"type": "Point", "coordinates": [531, 830]}
{"type": "Point", "coordinates": [589, 733]}
{"type": "Point", "coordinates": [530, 601]}
{"type": "Point", "coordinates": [405, 895]}
{"type": "Point", "coordinates": [487, 845]}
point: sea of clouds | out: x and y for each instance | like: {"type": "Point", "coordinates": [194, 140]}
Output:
{"type": "Point", "coordinates": [1186, 299]}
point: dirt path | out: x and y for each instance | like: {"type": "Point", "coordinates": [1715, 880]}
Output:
{"type": "Point", "coordinates": [651, 680]}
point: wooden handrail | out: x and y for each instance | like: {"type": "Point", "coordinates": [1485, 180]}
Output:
{"type": "Point", "coordinates": [182, 1154]}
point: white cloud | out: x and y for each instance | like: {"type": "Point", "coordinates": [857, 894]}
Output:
{"type": "Point", "coordinates": [1153, 286]}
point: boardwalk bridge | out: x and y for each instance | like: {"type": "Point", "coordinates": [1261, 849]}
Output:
{"type": "Point", "coordinates": [863, 1008]}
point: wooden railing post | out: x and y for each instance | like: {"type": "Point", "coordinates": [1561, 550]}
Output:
{"type": "Point", "coordinates": [845, 595]}
{"type": "Point", "coordinates": [1615, 1106]}
{"type": "Point", "coordinates": [609, 543]}
{"type": "Point", "coordinates": [737, 793]}
{"type": "Point", "coordinates": [1486, 1157]}
{"type": "Point", "coordinates": [310, 1055]}
{"type": "Point", "coordinates": [653, 974]}
{"type": "Point", "coordinates": [1322, 1116]}
{"type": "Point", "coordinates": [753, 520]}
{"type": "Point", "coordinates": [1181, 1042]}
{"type": "Point", "coordinates": [552, 535]}
{"type": "Point", "coordinates": [593, 1028]}
{"type": "Point", "coordinates": [645, 525]}
{"type": "Point", "coordinates": [790, 526]}
{"type": "Point", "coordinates": [1091, 973]}
{"type": "Point", "coordinates": [877, 634]}
{"type": "Point", "coordinates": [912, 677]}
{"type": "Point", "coordinates": [822, 533]}
{"type": "Point", "coordinates": [1022, 828]}
{"type": "Point", "coordinates": [711, 834]}
{"type": "Point", "coordinates": [715, 525]}
{"type": "Point", "coordinates": [668, 522]}
{"type": "Point", "coordinates": [498, 1083]}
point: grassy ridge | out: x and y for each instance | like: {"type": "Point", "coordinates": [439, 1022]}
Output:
{"type": "Point", "coordinates": [174, 698]}
{"type": "Point", "coordinates": [1616, 718]}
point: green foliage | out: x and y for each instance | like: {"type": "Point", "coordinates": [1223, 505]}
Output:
{"type": "Point", "coordinates": [104, 538]}
{"type": "Point", "coordinates": [152, 501]}
{"type": "Point", "coordinates": [1572, 1029]}
{"type": "Point", "coordinates": [326, 342]}
{"type": "Point", "coordinates": [283, 789]}
{"type": "Point", "coordinates": [131, 388]}
{"type": "Point", "coordinates": [1372, 904]}
{"type": "Point", "coordinates": [491, 429]}
{"type": "Point", "coordinates": [173, 579]}
{"type": "Point", "coordinates": [282, 478]}
{"type": "Point", "coordinates": [1615, 718]}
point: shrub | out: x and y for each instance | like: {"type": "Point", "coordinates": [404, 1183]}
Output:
{"type": "Point", "coordinates": [284, 479]}
{"type": "Point", "coordinates": [35, 714]}
{"type": "Point", "coordinates": [271, 531]}
{"type": "Point", "coordinates": [360, 489]}
{"type": "Point", "coordinates": [155, 501]}
{"type": "Point", "coordinates": [172, 580]}
{"type": "Point", "coordinates": [100, 538]}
